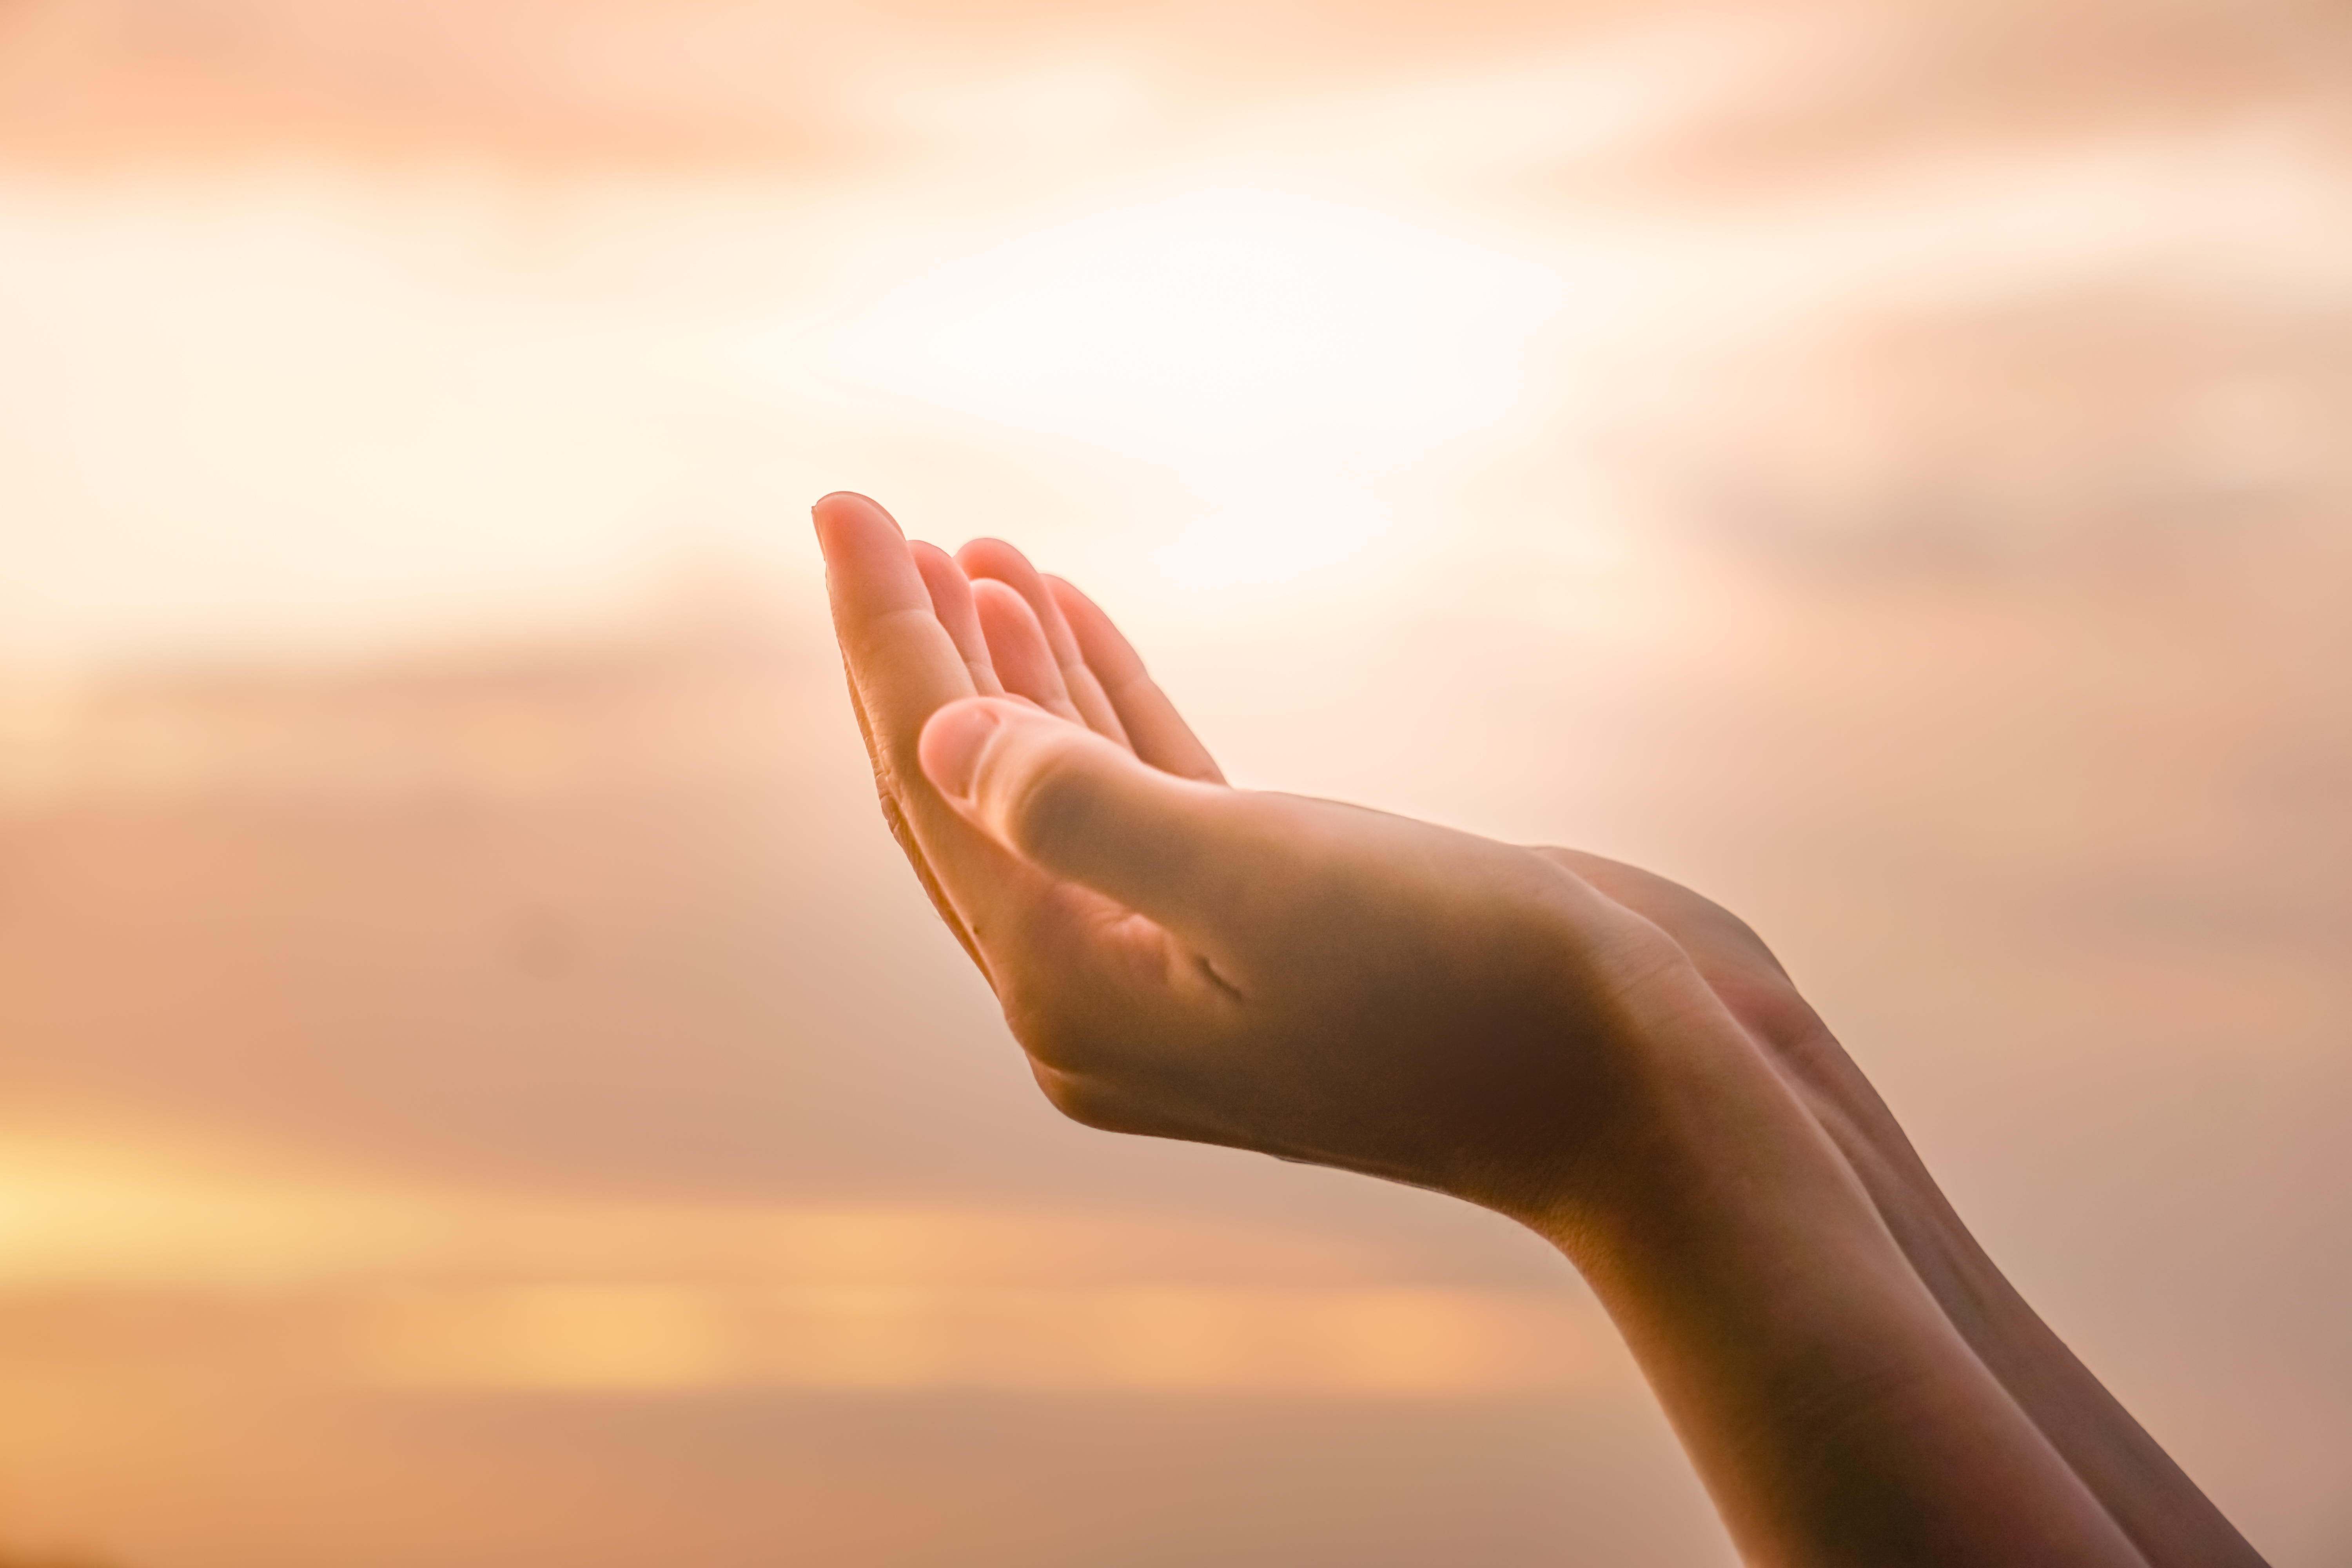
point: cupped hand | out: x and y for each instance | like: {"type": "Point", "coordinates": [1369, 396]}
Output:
{"type": "Point", "coordinates": [1589, 1047]}
{"type": "Point", "coordinates": [1186, 959]}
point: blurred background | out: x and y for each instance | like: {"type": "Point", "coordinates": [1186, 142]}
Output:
{"type": "Point", "coordinates": [478, 1089]}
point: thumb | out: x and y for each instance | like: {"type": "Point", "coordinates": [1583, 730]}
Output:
{"type": "Point", "coordinates": [1085, 809]}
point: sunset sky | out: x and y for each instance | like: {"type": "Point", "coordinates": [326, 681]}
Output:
{"type": "Point", "coordinates": [476, 1085]}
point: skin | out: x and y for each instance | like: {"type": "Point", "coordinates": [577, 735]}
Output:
{"type": "Point", "coordinates": [1607, 1057]}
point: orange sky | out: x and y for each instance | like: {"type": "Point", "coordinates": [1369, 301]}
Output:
{"type": "Point", "coordinates": [463, 1033]}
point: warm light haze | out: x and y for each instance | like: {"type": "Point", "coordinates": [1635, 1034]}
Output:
{"type": "Point", "coordinates": [446, 1116]}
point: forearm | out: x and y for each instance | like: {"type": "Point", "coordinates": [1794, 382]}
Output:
{"type": "Point", "coordinates": [1831, 1404]}
{"type": "Point", "coordinates": [2167, 1517]}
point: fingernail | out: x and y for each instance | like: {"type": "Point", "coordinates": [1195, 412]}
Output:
{"type": "Point", "coordinates": [954, 742]}
{"type": "Point", "coordinates": [840, 501]}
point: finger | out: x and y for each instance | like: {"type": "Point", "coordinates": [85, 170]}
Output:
{"type": "Point", "coordinates": [951, 601]}
{"type": "Point", "coordinates": [1082, 808]}
{"type": "Point", "coordinates": [995, 559]}
{"type": "Point", "coordinates": [903, 660]}
{"type": "Point", "coordinates": [1157, 731]}
{"type": "Point", "coordinates": [1018, 649]}
{"type": "Point", "coordinates": [903, 667]}
{"type": "Point", "coordinates": [904, 836]}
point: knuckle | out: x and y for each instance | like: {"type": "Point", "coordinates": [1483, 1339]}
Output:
{"type": "Point", "coordinates": [1083, 1100]}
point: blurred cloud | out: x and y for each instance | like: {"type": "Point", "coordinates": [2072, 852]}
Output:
{"type": "Point", "coordinates": [267, 395]}
{"type": "Point", "coordinates": [446, 1287]}
{"type": "Point", "coordinates": [462, 1031]}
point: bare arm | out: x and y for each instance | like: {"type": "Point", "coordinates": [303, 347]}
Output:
{"type": "Point", "coordinates": [1604, 1057]}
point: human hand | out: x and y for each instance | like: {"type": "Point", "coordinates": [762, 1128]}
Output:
{"type": "Point", "coordinates": [1188, 960]}
{"type": "Point", "coordinates": [1590, 1048]}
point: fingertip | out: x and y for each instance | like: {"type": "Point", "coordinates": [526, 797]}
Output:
{"type": "Point", "coordinates": [992, 558]}
{"type": "Point", "coordinates": [1020, 646]}
{"type": "Point", "coordinates": [954, 741]}
{"type": "Point", "coordinates": [938, 568]}
{"type": "Point", "coordinates": [951, 602]}
{"type": "Point", "coordinates": [839, 509]}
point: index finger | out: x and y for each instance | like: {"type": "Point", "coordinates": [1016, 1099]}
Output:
{"type": "Point", "coordinates": [903, 665]}
{"type": "Point", "coordinates": [903, 662]}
